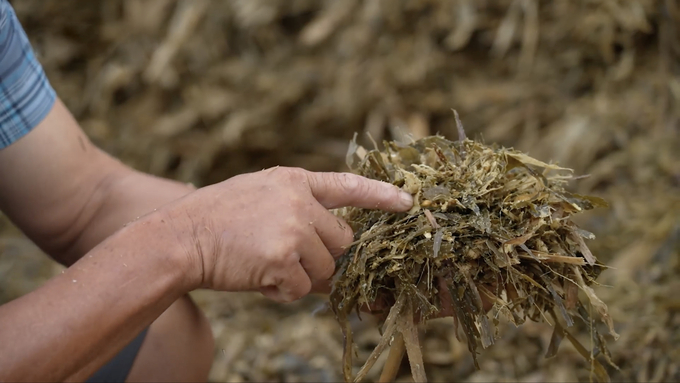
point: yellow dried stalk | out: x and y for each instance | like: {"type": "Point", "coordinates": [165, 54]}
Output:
{"type": "Point", "coordinates": [490, 226]}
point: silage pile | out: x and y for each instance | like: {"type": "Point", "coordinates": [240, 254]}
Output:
{"type": "Point", "coordinates": [488, 224]}
{"type": "Point", "coordinates": [221, 87]}
{"type": "Point", "coordinates": [202, 90]}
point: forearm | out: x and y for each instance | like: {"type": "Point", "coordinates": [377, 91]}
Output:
{"type": "Point", "coordinates": [127, 195]}
{"type": "Point", "coordinates": [94, 308]}
{"type": "Point", "coordinates": [67, 195]}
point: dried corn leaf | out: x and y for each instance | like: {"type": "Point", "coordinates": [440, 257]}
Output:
{"type": "Point", "coordinates": [485, 218]}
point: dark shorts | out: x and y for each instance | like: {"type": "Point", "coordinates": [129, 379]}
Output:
{"type": "Point", "coordinates": [118, 369]}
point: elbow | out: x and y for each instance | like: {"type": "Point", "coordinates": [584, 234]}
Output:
{"type": "Point", "coordinates": [74, 223]}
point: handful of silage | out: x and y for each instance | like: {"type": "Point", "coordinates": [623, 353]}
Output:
{"type": "Point", "coordinates": [489, 224]}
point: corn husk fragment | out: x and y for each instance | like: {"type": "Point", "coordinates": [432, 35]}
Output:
{"type": "Point", "coordinates": [489, 224]}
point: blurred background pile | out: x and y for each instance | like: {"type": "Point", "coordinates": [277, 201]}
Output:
{"type": "Point", "coordinates": [201, 90]}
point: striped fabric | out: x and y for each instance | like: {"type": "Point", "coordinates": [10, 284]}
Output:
{"type": "Point", "coordinates": [25, 94]}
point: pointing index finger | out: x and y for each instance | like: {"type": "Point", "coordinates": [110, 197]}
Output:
{"type": "Point", "coordinates": [335, 190]}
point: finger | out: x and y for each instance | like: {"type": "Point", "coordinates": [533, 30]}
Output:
{"type": "Point", "coordinates": [322, 287]}
{"type": "Point", "coordinates": [334, 190]}
{"type": "Point", "coordinates": [316, 259]}
{"type": "Point", "coordinates": [293, 285]}
{"type": "Point", "coordinates": [334, 231]}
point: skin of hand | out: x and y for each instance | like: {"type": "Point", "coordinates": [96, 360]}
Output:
{"type": "Point", "coordinates": [68, 196]}
{"type": "Point", "coordinates": [258, 231]}
{"type": "Point", "coordinates": [271, 231]}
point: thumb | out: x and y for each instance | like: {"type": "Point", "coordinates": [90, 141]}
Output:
{"type": "Point", "coordinates": [335, 190]}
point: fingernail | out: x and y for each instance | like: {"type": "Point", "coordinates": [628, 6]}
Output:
{"type": "Point", "coordinates": [405, 200]}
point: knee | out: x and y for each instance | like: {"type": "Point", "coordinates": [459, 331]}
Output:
{"type": "Point", "coordinates": [178, 347]}
{"type": "Point", "coordinates": [201, 342]}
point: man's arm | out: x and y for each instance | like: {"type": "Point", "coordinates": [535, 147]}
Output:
{"type": "Point", "coordinates": [67, 195]}
{"type": "Point", "coordinates": [41, 180]}
{"type": "Point", "coordinates": [267, 231]}
{"type": "Point", "coordinates": [82, 317]}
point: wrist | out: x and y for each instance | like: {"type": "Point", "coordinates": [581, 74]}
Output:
{"type": "Point", "coordinates": [156, 240]}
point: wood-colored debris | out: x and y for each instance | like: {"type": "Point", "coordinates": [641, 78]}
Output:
{"type": "Point", "coordinates": [488, 224]}
{"type": "Point", "coordinates": [201, 90]}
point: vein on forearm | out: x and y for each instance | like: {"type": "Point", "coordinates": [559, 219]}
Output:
{"type": "Point", "coordinates": [72, 241]}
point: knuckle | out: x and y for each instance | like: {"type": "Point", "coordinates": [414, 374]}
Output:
{"type": "Point", "coordinates": [288, 255]}
{"type": "Point", "coordinates": [350, 183]}
{"type": "Point", "coordinates": [295, 235]}
{"type": "Point", "coordinates": [297, 203]}
{"type": "Point", "coordinates": [271, 280]}
{"type": "Point", "coordinates": [280, 256]}
{"type": "Point", "coordinates": [329, 270]}
{"type": "Point", "coordinates": [288, 174]}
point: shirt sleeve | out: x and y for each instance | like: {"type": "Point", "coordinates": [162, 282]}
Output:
{"type": "Point", "coordinates": [26, 95]}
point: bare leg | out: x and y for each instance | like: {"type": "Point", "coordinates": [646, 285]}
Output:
{"type": "Point", "coordinates": [178, 347]}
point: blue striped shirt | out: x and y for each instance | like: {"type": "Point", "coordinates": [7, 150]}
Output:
{"type": "Point", "coordinates": [25, 94]}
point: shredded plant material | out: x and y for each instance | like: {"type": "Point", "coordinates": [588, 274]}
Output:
{"type": "Point", "coordinates": [201, 92]}
{"type": "Point", "coordinates": [489, 224]}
